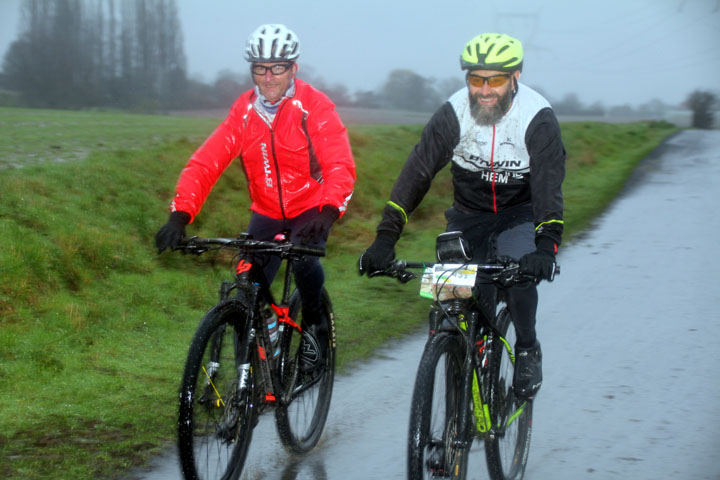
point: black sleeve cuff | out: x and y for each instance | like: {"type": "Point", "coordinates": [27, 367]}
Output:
{"type": "Point", "coordinates": [179, 218]}
{"type": "Point", "coordinates": [546, 244]}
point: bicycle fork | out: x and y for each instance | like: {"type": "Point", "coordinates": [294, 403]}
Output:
{"type": "Point", "coordinates": [465, 413]}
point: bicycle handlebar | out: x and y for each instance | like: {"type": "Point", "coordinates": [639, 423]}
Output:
{"type": "Point", "coordinates": [506, 272]}
{"type": "Point", "coordinates": [279, 246]}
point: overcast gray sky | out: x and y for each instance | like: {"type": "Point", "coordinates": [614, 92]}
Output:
{"type": "Point", "coordinates": [612, 51]}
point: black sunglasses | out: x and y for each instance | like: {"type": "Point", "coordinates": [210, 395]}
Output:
{"type": "Point", "coordinates": [277, 69]}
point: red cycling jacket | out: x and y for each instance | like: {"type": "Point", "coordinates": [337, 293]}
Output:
{"type": "Point", "coordinates": [300, 161]}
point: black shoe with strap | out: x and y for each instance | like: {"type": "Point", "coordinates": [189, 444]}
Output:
{"type": "Point", "coordinates": [527, 378]}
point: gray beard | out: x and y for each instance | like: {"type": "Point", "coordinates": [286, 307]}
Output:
{"type": "Point", "coordinates": [489, 115]}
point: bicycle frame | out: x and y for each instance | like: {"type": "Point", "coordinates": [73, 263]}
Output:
{"type": "Point", "coordinates": [469, 364]}
{"type": "Point", "coordinates": [476, 326]}
{"type": "Point", "coordinates": [253, 291]}
{"type": "Point", "coordinates": [236, 369]}
{"type": "Point", "coordinates": [473, 365]}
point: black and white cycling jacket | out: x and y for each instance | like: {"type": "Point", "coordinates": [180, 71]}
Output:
{"type": "Point", "coordinates": [518, 161]}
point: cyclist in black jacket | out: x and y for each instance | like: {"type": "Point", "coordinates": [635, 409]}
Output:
{"type": "Point", "coordinates": [508, 163]}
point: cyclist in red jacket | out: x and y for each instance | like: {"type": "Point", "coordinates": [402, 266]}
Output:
{"type": "Point", "coordinates": [296, 155]}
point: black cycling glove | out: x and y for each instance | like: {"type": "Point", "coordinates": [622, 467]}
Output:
{"type": "Point", "coordinates": [379, 255]}
{"type": "Point", "coordinates": [540, 263]}
{"type": "Point", "coordinates": [172, 232]}
{"type": "Point", "coordinates": [318, 229]}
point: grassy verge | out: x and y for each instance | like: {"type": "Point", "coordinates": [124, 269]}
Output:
{"type": "Point", "coordinates": [94, 325]}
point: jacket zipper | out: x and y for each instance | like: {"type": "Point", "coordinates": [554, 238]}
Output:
{"type": "Point", "coordinates": [277, 166]}
{"type": "Point", "coordinates": [492, 169]}
{"type": "Point", "coordinates": [277, 172]}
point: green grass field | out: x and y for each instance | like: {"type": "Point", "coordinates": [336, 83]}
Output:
{"type": "Point", "coordinates": [94, 325]}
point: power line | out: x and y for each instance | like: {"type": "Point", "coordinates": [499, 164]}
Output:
{"type": "Point", "coordinates": [618, 52]}
{"type": "Point", "coordinates": [601, 25]}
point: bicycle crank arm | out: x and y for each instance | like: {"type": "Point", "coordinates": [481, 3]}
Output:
{"type": "Point", "coordinates": [296, 391]}
{"type": "Point", "coordinates": [508, 418]}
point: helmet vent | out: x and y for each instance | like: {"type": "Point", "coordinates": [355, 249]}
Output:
{"type": "Point", "coordinates": [272, 43]}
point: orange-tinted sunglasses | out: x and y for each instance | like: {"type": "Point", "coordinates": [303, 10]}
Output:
{"type": "Point", "coordinates": [495, 81]}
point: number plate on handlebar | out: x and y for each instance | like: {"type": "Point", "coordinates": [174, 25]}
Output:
{"type": "Point", "coordinates": [449, 280]}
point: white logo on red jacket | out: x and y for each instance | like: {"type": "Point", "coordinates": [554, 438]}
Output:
{"type": "Point", "coordinates": [266, 166]}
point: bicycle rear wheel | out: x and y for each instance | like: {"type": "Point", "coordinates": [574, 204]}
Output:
{"type": "Point", "coordinates": [215, 417]}
{"type": "Point", "coordinates": [508, 449]}
{"type": "Point", "coordinates": [434, 412]}
{"type": "Point", "coordinates": [300, 421]}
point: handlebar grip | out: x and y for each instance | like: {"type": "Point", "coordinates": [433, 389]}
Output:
{"type": "Point", "coordinates": [417, 264]}
{"type": "Point", "coordinates": [316, 252]}
{"type": "Point", "coordinates": [196, 241]}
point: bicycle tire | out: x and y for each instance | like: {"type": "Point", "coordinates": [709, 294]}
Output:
{"type": "Point", "coordinates": [434, 412]}
{"type": "Point", "coordinates": [215, 424]}
{"type": "Point", "coordinates": [507, 451]}
{"type": "Point", "coordinates": [301, 421]}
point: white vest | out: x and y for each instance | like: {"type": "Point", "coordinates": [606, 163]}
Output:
{"type": "Point", "coordinates": [503, 151]}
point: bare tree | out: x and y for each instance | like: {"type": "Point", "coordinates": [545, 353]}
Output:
{"type": "Point", "coordinates": [76, 53]}
{"type": "Point", "coordinates": [405, 89]}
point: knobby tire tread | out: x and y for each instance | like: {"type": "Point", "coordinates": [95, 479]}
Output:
{"type": "Point", "coordinates": [303, 442]}
{"type": "Point", "coordinates": [496, 469]}
{"type": "Point", "coordinates": [439, 345]}
{"type": "Point", "coordinates": [229, 313]}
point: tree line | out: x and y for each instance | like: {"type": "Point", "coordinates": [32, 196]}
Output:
{"type": "Point", "coordinates": [130, 54]}
{"type": "Point", "coordinates": [86, 53]}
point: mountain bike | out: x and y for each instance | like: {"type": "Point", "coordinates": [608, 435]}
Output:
{"type": "Point", "coordinates": [463, 388]}
{"type": "Point", "coordinates": [244, 360]}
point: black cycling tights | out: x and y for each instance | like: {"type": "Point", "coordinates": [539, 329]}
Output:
{"type": "Point", "coordinates": [522, 302]}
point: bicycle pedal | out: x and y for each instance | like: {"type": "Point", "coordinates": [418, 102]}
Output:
{"type": "Point", "coordinates": [436, 468]}
{"type": "Point", "coordinates": [436, 462]}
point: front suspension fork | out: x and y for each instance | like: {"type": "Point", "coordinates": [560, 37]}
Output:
{"type": "Point", "coordinates": [465, 415]}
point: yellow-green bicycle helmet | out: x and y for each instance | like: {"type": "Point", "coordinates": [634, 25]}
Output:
{"type": "Point", "coordinates": [492, 51]}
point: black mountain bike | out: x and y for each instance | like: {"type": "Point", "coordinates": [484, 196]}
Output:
{"type": "Point", "coordinates": [463, 389]}
{"type": "Point", "coordinates": [243, 360]}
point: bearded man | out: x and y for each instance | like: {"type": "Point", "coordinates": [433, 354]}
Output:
{"type": "Point", "coordinates": [508, 164]}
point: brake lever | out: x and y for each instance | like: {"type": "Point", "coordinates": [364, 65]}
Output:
{"type": "Point", "coordinates": [404, 276]}
{"type": "Point", "coordinates": [188, 246]}
{"type": "Point", "coordinates": [398, 270]}
{"type": "Point", "coordinates": [394, 271]}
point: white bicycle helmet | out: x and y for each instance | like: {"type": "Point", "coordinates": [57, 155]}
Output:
{"type": "Point", "coordinates": [272, 43]}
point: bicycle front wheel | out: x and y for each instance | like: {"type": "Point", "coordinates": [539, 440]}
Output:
{"type": "Point", "coordinates": [301, 418]}
{"type": "Point", "coordinates": [507, 450]}
{"type": "Point", "coordinates": [433, 435]}
{"type": "Point", "coordinates": [216, 416]}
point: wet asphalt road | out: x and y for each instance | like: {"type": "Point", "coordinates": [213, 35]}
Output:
{"type": "Point", "coordinates": [631, 342]}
